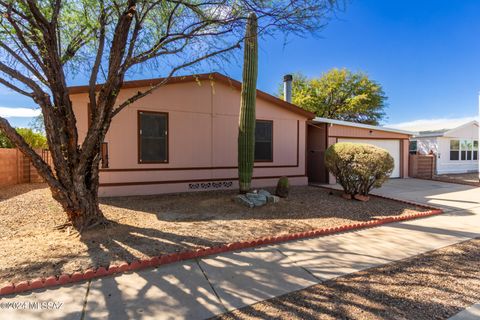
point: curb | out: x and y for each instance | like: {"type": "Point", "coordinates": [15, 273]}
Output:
{"type": "Point", "coordinates": [114, 269]}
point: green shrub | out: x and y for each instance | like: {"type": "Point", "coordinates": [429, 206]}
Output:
{"type": "Point", "coordinates": [283, 187]}
{"type": "Point", "coordinates": [358, 168]}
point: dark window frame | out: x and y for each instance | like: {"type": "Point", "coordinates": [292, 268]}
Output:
{"type": "Point", "coordinates": [410, 144]}
{"type": "Point", "coordinates": [139, 138]}
{"type": "Point", "coordinates": [104, 155]}
{"type": "Point", "coordinates": [475, 150]}
{"type": "Point", "coordinates": [271, 146]}
{"type": "Point", "coordinates": [89, 115]}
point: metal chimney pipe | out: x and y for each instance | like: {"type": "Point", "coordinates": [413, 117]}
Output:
{"type": "Point", "coordinates": [287, 87]}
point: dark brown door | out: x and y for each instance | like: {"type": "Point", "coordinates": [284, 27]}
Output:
{"type": "Point", "coordinates": [316, 145]}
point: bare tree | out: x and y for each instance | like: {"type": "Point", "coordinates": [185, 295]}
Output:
{"type": "Point", "coordinates": [43, 41]}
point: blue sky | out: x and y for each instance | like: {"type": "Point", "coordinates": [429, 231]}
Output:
{"type": "Point", "coordinates": [426, 55]}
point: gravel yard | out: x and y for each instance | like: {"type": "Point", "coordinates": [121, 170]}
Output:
{"type": "Point", "coordinates": [435, 285]}
{"type": "Point", "coordinates": [145, 226]}
{"type": "Point", "coordinates": [461, 178]}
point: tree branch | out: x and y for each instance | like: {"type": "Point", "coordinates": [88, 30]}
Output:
{"type": "Point", "coordinates": [139, 95]}
{"type": "Point", "coordinates": [37, 161]}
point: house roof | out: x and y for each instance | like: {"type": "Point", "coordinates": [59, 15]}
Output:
{"type": "Point", "coordinates": [444, 132]}
{"type": "Point", "coordinates": [204, 76]}
{"type": "Point", "coordinates": [361, 125]}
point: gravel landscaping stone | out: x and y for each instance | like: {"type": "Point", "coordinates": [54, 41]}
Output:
{"type": "Point", "coordinates": [435, 285]}
{"type": "Point", "coordinates": [146, 226]}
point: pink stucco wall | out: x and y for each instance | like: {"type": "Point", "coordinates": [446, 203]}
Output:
{"type": "Point", "coordinates": [203, 121]}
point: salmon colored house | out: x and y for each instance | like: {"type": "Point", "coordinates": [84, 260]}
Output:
{"type": "Point", "coordinates": [183, 137]}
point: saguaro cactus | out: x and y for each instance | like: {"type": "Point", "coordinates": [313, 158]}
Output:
{"type": "Point", "coordinates": [246, 125]}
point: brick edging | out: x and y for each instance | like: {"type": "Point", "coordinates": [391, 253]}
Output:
{"type": "Point", "coordinates": [156, 261]}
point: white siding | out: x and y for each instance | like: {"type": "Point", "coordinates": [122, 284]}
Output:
{"type": "Point", "coordinates": [445, 165]}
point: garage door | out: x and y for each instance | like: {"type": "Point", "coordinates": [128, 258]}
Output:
{"type": "Point", "coordinates": [392, 146]}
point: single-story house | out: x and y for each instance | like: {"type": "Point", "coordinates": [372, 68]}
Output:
{"type": "Point", "coordinates": [183, 137]}
{"type": "Point", "coordinates": [456, 149]}
{"type": "Point", "coordinates": [323, 132]}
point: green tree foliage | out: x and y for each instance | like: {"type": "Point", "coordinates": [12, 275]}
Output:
{"type": "Point", "coordinates": [357, 167]}
{"type": "Point", "coordinates": [340, 94]}
{"type": "Point", "coordinates": [33, 139]}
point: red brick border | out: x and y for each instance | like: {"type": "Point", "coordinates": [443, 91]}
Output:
{"type": "Point", "coordinates": [156, 261]}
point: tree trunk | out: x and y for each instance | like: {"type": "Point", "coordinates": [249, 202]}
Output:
{"type": "Point", "coordinates": [81, 201]}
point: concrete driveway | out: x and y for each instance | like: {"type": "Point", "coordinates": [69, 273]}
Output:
{"type": "Point", "coordinates": [447, 196]}
{"type": "Point", "coordinates": [199, 289]}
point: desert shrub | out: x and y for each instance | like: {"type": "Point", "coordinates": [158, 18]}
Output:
{"type": "Point", "coordinates": [358, 168]}
{"type": "Point", "coordinates": [283, 187]}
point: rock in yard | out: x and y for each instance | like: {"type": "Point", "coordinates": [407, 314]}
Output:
{"type": "Point", "coordinates": [346, 196]}
{"type": "Point", "coordinates": [264, 192]}
{"type": "Point", "coordinates": [273, 199]}
{"type": "Point", "coordinates": [257, 199]}
{"type": "Point", "coordinates": [243, 200]}
{"type": "Point", "coordinates": [360, 197]}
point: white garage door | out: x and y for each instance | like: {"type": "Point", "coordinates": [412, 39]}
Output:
{"type": "Point", "coordinates": [392, 146]}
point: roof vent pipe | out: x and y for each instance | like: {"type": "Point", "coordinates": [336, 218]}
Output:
{"type": "Point", "coordinates": [287, 88]}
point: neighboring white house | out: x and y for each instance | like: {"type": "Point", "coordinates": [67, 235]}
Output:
{"type": "Point", "coordinates": [456, 149]}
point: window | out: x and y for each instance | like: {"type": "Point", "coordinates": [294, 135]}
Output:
{"type": "Point", "coordinates": [454, 149]}
{"type": "Point", "coordinates": [153, 137]}
{"type": "Point", "coordinates": [466, 150]}
{"type": "Point", "coordinates": [104, 155]}
{"type": "Point", "coordinates": [89, 115]}
{"type": "Point", "coordinates": [413, 147]}
{"type": "Point", "coordinates": [264, 140]}
{"type": "Point", "coordinates": [475, 150]}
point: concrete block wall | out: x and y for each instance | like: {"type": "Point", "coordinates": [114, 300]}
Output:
{"type": "Point", "coordinates": [15, 168]}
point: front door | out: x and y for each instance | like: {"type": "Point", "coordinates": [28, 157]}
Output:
{"type": "Point", "coordinates": [316, 145]}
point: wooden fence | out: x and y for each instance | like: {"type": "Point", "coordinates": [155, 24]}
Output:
{"type": "Point", "coordinates": [16, 168]}
{"type": "Point", "coordinates": [421, 166]}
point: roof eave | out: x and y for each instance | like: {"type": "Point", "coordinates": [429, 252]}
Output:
{"type": "Point", "coordinates": [204, 76]}
{"type": "Point", "coordinates": [361, 125]}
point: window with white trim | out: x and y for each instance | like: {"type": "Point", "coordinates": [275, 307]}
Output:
{"type": "Point", "coordinates": [454, 149]}
{"type": "Point", "coordinates": [464, 150]}
{"type": "Point", "coordinates": [475, 150]}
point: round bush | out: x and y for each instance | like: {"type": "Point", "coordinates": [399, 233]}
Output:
{"type": "Point", "coordinates": [357, 167]}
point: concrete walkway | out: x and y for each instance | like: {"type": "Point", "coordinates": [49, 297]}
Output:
{"type": "Point", "coordinates": [199, 289]}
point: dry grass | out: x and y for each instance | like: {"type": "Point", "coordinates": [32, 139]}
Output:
{"type": "Point", "coordinates": [145, 226]}
{"type": "Point", "coordinates": [435, 285]}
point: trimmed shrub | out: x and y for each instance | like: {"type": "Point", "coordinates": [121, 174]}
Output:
{"type": "Point", "coordinates": [357, 167]}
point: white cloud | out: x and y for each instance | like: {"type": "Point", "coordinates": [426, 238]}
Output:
{"type": "Point", "coordinates": [7, 112]}
{"type": "Point", "coordinates": [432, 124]}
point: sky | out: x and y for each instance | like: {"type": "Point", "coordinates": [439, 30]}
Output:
{"type": "Point", "coordinates": [425, 54]}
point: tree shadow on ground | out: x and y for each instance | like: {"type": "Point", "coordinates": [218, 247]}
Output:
{"type": "Point", "coordinates": [121, 242]}
{"type": "Point", "coordinates": [435, 285]}
{"type": "Point", "coordinates": [12, 191]}
{"type": "Point", "coordinates": [303, 203]}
